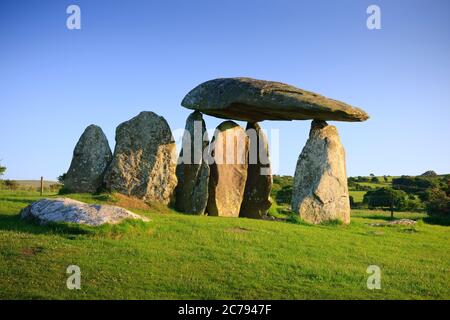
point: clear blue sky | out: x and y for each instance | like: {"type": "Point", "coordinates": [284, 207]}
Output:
{"type": "Point", "coordinates": [132, 56]}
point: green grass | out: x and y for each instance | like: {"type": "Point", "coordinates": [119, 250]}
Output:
{"type": "Point", "coordinates": [193, 257]}
{"type": "Point", "coordinates": [358, 196]}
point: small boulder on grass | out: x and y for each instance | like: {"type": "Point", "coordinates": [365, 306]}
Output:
{"type": "Point", "coordinates": [72, 211]}
{"type": "Point", "coordinates": [401, 222]}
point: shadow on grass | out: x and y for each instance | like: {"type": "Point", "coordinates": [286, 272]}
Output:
{"type": "Point", "coordinates": [437, 220]}
{"type": "Point", "coordinates": [15, 223]}
{"type": "Point", "coordinates": [19, 200]}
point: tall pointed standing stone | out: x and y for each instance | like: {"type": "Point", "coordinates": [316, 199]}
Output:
{"type": "Point", "coordinates": [144, 160]}
{"type": "Point", "coordinates": [229, 154]}
{"type": "Point", "coordinates": [256, 201]}
{"type": "Point", "coordinates": [192, 170]}
{"type": "Point", "coordinates": [320, 190]}
{"type": "Point", "coordinates": [91, 157]}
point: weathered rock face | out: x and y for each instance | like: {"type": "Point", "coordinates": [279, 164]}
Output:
{"type": "Point", "coordinates": [256, 100]}
{"type": "Point", "coordinates": [192, 170]}
{"type": "Point", "coordinates": [72, 211]}
{"type": "Point", "coordinates": [91, 157]}
{"type": "Point", "coordinates": [320, 190]}
{"type": "Point", "coordinates": [256, 201]}
{"type": "Point", "coordinates": [229, 154]}
{"type": "Point", "coordinates": [144, 159]}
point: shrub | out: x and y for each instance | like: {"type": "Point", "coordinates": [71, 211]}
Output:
{"type": "Point", "coordinates": [386, 197]}
{"type": "Point", "coordinates": [414, 185]}
{"type": "Point", "coordinates": [11, 184]}
{"type": "Point", "coordinates": [284, 196]}
{"type": "Point", "coordinates": [375, 180]}
{"type": "Point", "coordinates": [62, 177]}
{"type": "Point", "coordinates": [438, 203]}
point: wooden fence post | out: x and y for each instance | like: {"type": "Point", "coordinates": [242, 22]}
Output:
{"type": "Point", "coordinates": [42, 186]}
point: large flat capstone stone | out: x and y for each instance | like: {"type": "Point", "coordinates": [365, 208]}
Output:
{"type": "Point", "coordinates": [257, 100]}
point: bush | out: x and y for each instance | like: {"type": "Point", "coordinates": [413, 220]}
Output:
{"type": "Point", "coordinates": [282, 189]}
{"type": "Point", "coordinates": [386, 197]}
{"type": "Point", "coordinates": [284, 196]}
{"type": "Point", "coordinates": [359, 187]}
{"type": "Point", "coordinates": [375, 180]}
{"type": "Point", "coordinates": [11, 184]}
{"type": "Point", "coordinates": [414, 185]}
{"type": "Point", "coordinates": [55, 187]}
{"type": "Point", "coordinates": [438, 203]}
{"type": "Point", "coordinates": [62, 177]}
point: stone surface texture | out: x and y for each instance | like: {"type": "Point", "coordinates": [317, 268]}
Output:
{"type": "Point", "coordinates": [228, 166]}
{"type": "Point", "coordinates": [90, 160]}
{"type": "Point", "coordinates": [192, 170]}
{"type": "Point", "coordinates": [256, 200]}
{"type": "Point", "coordinates": [144, 161]}
{"type": "Point", "coordinates": [257, 100]}
{"type": "Point", "coordinates": [320, 191]}
{"type": "Point", "coordinates": [72, 211]}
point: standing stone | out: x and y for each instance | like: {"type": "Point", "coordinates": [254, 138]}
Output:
{"type": "Point", "coordinates": [192, 170]}
{"type": "Point", "coordinates": [144, 160]}
{"type": "Point", "coordinates": [256, 201]}
{"type": "Point", "coordinates": [228, 165]}
{"type": "Point", "coordinates": [91, 157]}
{"type": "Point", "coordinates": [320, 190]}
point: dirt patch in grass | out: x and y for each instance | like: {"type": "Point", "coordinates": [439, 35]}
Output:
{"type": "Point", "coordinates": [29, 252]}
{"type": "Point", "coordinates": [238, 230]}
{"type": "Point", "coordinates": [130, 202]}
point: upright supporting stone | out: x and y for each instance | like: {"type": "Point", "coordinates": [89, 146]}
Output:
{"type": "Point", "coordinates": [320, 184]}
{"type": "Point", "coordinates": [192, 170]}
{"type": "Point", "coordinates": [256, 201]}
{"type": "Point", "coordinates": [91, 158]}
{"type": "Point", "coordinates": [228, 166]}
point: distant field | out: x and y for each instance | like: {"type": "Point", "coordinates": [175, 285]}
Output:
{"type": "Point", "coordinates": [178, 256]}
{"type": "Point", "coordinates": [36, 183]}
{"type": "Point", "coordinates": [358, 196]}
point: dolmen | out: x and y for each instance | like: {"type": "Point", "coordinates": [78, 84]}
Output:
{"type": "Point", "coordinates": [320, 191]}
{"type": "Point", "coordinates": [229, 175]}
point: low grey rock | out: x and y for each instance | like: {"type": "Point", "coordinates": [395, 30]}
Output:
{"type": "Point", "coordinates": [401, 222]}
{"type": "Point", "coordinates": [320, 191]}
{"type": "Point", "coordinates": [72, 211]}
{"type": "Point", "coordinates": [90, 160]}
{"type": "Point", "coordinates": [257, 100]}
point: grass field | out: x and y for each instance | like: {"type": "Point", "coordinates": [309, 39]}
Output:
{"type": "Point", "coordinates": [177, 256]}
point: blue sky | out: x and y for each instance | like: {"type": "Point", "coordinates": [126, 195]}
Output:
{"type": "Point", "coordinates": [134, 55]}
